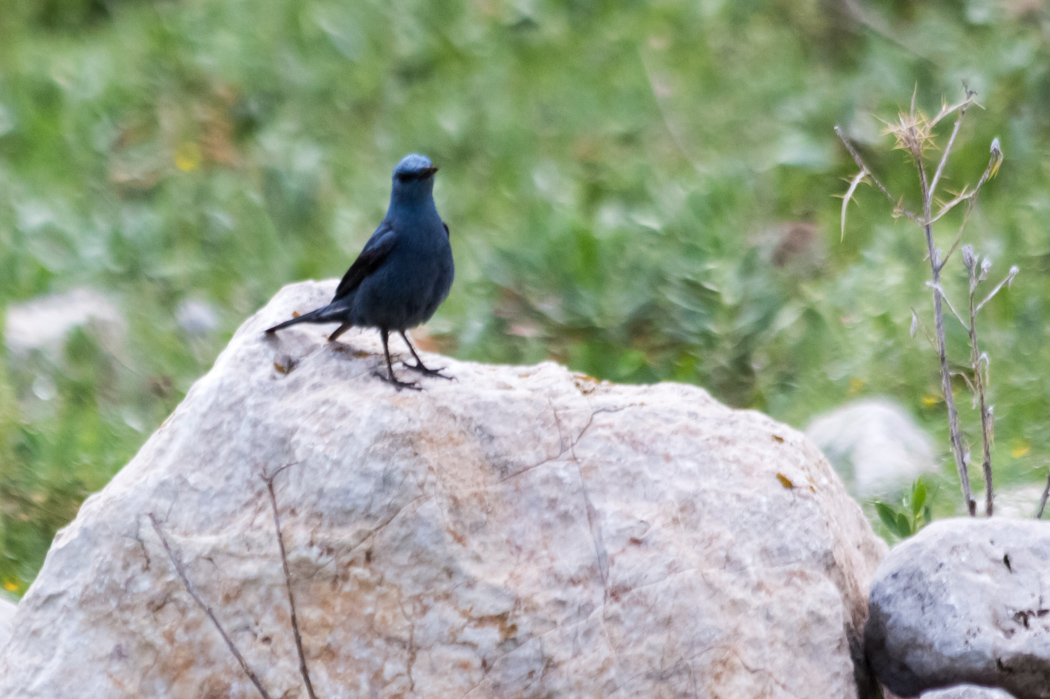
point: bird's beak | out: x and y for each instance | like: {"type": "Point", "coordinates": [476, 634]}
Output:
{"type": "Point", "coordinates": [428, 171]}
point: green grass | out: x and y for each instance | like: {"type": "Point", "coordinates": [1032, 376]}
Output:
{"type": "Point", "coordinates": [640, 190]}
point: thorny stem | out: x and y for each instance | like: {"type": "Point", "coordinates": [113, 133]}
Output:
{"type": "Point", "coordinates": [946, 380]}
{"type": "Point", "coordinates": [1042, 500]}
{"type": "Point", "coordinates": [288, 583]}
{"type": "Point", "coordinates": [994, 161]}
{"type": "Point", "coordinates": [978, 386]}
{"type": "Point", "coordinates": [860, 163]}
{"type": "Point", "coordinates": [971, 196]}
{"type": "Point", "coordinates": [1005, 282]}
{"type": "Point", "coordinates": [938, 320]}
{"type": "Point", "coordinates": [175, 561]}
{"type": "Point", "coordinates": [948, 149]}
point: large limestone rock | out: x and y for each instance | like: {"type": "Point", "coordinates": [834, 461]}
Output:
{"type": "Point", "coordinates": [964, 601]}
{"type": "Point", "coordinates": [7, 615]}
{"type": "Point", "coordinates": [518, 532]}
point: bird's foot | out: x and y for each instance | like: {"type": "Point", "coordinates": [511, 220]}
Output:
{"type": "Point", "coordinates": [397, 383]}
{"type": "Point", "coordinates": [428, 372]}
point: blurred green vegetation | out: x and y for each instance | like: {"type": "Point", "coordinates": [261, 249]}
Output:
{"type": "Point", "coordinates": [640, 190]}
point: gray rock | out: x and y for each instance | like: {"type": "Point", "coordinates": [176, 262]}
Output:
{"type": "Point", "coordinates": [519, 532]}
{"type": "Point", "coordinates": [967, 691]}
{"type": "Point", "coordinates": [875, 445]}
{"type": "Point", "coordinates": [1017, 501]}
{"type": "Point", "coordinates": [964, 601]}
{"type": "Point", "coordinates": [7, 615]}
{"type": "Point", "coordinates": [42, 324]}
{"type": "Point", "coordinates": [196, 317]}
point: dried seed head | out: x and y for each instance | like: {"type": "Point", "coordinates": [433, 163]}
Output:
{"type": "Point", "coordinates": [997, 153]}
{"type": "Point", "coordinates": [912, 132]}
{"type": "Point", "coordinates": [968, 257]}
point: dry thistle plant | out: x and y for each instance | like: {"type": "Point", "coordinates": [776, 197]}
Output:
{"type": "Point", "coordinates": [914, 134]}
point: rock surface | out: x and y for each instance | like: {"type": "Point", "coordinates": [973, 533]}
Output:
{"type": "Point", "coordinates": [7, 614]}
{"type": "Point", "coordinates": [875, 445]}
{"type": "Point", "coordinates": [964, 601]}
{"type": "Point", "coordinates": [968, 691]}
{"type": "Point", "coordinates": [518, 532]}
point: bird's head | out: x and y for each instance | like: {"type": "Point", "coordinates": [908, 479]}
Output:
{"type": "Point", "coordinates": [414, 176]}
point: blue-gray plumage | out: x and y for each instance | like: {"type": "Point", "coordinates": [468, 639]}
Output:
{"type": "Point", "coordinates": [403, 273]}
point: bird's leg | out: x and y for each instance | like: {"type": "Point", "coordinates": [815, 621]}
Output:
{"type": "Point", "coordinates": [339, 331]}
{"type": "Point", "coordinates": [385, 334]}
{"type": "Point", "coordinates": [419, 362]}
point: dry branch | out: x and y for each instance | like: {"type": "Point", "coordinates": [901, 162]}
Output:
{"type": "Point", "coordinates": [864, 168]}
{"type": "Point", "coordinates": [979, 377]}
{"type": "Point", "coordinates": [938, 313]}
{"type": "Point", "coordinates": [951, 140]}
{"type": "Point", "coordinates": [854, 183]}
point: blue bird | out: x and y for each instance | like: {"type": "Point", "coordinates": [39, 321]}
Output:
{"type": "Point", "coordinates": [403, 273]}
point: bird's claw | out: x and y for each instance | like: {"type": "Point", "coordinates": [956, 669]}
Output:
{"type": "Point", "coordinates": [397, 383]}
{"type": "Point", "coordinates": [428, 372]}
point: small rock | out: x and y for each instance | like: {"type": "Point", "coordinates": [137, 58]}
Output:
{"type": "Point", "coordinates": [964, 601]}
{"type": "Point", "coordinates": [43, 323]}
{"type": "Point", "coordinates": [875, 446]}
{"type": "Point", "coordinates": [197, 317]}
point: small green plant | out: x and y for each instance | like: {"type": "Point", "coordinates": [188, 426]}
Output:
{"type": "Point", "coordinates": [911, 515]}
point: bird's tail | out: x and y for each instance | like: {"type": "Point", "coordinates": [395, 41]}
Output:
{"type": "Point", "coordinates": [318, 316]}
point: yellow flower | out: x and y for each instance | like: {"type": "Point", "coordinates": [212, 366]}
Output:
{"type": "Point", "coordinates": [1020, 449]}
{"type": "Point", "coordinates": [188, 156]}
{"type": "Point", "coordinates": [930, 400]}
{"type": "Point", "coordinates": [11, 586]}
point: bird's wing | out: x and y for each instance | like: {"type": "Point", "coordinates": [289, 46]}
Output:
{"type": "Point", "coordinates": [375, 252]}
